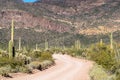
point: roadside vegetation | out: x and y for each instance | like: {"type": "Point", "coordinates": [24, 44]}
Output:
{"type": "Point", "coordinates": [23, 59]}
{"type": "Point", "coordinates": [105, 55]}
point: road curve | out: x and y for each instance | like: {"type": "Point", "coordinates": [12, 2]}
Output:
{"type": "Point", "coordinates": [66, 68]}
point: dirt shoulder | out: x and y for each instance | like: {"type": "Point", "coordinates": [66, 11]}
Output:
{"type": "Point", "coordinates": [66, 68]}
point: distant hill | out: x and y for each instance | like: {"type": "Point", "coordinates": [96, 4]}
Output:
{"type": "Point", "coordinates": [76, 17]}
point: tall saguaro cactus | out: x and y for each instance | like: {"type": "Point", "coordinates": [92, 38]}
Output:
{"type": "Point", "coordinates": [111, 40]}
{"type": "Point", "coordinates": [19, 43]}
{"type": "Point", "coordinates": [11, 42]}
{"type": "Point", "coordinates": [36, 47]}
{"type": "Point", "coordinates": [46, 45]}
{"type": "Point", "coordinates": [77, 44]}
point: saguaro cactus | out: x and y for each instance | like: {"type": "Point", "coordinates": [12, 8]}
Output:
{"type": "Point", "coordinates": [19, 43]}
{"type": "Point", "coordinates": [10, 49]}
{"type": "Point", "coordinates": [36, 47]}
{"type": "Point", "coordinates": [101, 42]}
{"type": "Point", "coordinates": [111, 40]}
{"type": "Point", "coordinates": [46, 45]}
{"type": "Point", "coordinates": [77, 44]}
{"type": "Point", "coordinates": [11, 42]}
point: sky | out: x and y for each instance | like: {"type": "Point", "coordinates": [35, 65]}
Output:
{"type": "Point", "coordinates": [29, 0]}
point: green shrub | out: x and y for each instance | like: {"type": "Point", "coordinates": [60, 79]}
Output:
{"type": "Point", "coordinates": [36, 54]}
{"type": "Point", "coordinates": [46, 56]}
{"type": "Point", "coordinates": [12, 62]}
{"type": "Point", "coordinates": [102, 55]}
{"type": "Point", "coordinates": [25, 59]}
{"type": "Point", "coordinates": [35, 65]}
{"type": "Point", "coordinates": [25, 69]}
{"type": "Point", "coordinates": [5, 70]}
{"type": "Point", "coordinates": [117, 71]}
{"type": "Point", "coordinates": [41, 65]}
{"type": "Point", "coordinates": [73, 51]}
{"type": "Point", "coordinates": [118, 77]}
{"type": "Point", "coordinates": [47, 63]}
{"type": "Point", "coordinates": [98, 73]}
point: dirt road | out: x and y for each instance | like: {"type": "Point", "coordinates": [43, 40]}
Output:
{"type": "Point", "coordinates": [66, 68]}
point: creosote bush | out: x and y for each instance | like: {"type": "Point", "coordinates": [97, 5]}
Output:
{"type": "Point", "coordinates": [99, 73]}
{"type": "Point", "coordinates": [102, 55]}
{"type": "Point", "coordinates": [46, 55]}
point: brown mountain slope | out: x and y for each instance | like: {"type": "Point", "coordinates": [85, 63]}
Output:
{"type": "Point", "coordinates": [91, 19]}
{"type": "Point", "coordinates": [24, 19]}
{"type": "Point", "coordinates": [83, 16]}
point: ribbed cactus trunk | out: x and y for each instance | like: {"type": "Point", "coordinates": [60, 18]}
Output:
{"type": "Point", "coordinates": [10, 48]}
{"type": "Point", "coordinates": [19, 43]}
{"type": "Point", "coordinates": [46, 45]}
{"type": "Point", "coordinates": [77, 44]}
{"type": "Point", "coordinates": [111, 40]}
{"type": "Point", "coordinates": [36, 47]}
{"type": "Point", "coordinates": [11, 42]}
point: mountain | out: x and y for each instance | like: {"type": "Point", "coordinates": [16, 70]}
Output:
{"type": "Point", "coordinates": [90, 19]}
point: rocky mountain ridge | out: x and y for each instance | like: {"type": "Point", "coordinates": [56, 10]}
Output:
{"type": "Point", "coordinates": [81, 16]}
{"type": "Point", "coordinates": [60, 24]}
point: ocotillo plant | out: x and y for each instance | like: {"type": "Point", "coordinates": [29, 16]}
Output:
{"type": "Point", "coordinates": [46, 45]}
{"type": "Point", "coordinates": [11, 42]}
{"type": "Point", "coordinates": [111, 40]}
{"type": "Point", "coordinates": [19, 43]}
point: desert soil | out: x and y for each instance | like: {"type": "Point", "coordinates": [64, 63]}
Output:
{"type": "Point", "coordinates": [66, 68]}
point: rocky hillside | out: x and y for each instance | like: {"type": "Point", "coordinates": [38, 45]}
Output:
{"type": "Point", "coordinates": [83, 17]}
{"type": "Point", "coordinates": [88, 17]}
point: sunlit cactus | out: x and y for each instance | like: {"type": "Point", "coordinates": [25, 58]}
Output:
{"type": "Point", "coordinates": [77, 44]}
{"type": "Point", "coordinates": [11, 42]}
{"type": "Point", "coordinates": [36, 47]}
{"type": "Point", "coordinates": [111, 40]}
{"type": "Point", "coordinates": [101, 42]}
{"type": "Point", "coordinates": [10, 48]}
{"type": "Point", "coordinates": [46, 45]}
{"type": "Point", "coordinates": [19, 43]}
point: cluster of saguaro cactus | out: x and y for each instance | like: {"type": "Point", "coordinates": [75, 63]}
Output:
{"type": "Point", "coordinates": [46, 45]}
{"type": "Point", "coordinates": [11, 42]}
{"type": "Point", "coordinates": [77, 44]}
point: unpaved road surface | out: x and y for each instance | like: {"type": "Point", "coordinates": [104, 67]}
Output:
{"type": "Point", "coordinates": [66, 68]}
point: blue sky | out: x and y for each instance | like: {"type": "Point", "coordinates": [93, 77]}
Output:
{"type": "Point", "coordinates": [29, 0]}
